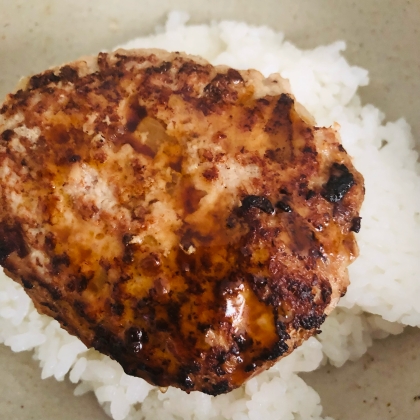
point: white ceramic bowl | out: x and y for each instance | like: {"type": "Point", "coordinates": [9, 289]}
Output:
{"type": "Point", "coordinates": [382, 36]}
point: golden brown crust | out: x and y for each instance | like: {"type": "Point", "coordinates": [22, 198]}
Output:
{"type": "Point", "coordinates": [187, 220]}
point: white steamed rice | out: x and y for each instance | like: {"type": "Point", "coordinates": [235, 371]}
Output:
{"type": "Point", "coordinates": [384, 295]}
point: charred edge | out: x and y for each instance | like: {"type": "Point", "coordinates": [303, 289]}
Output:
{"type": "Point", "coordinates": [234, 76]}
{"type": "Point", "coordinates": [281, 331]}
{"type": "Point", "coordinates": [103, 61]}
{"type": "Point", "coordinates": [221, 387]}
{"type": "Point", "coordinates": [27, 284]}
{"type": "Point", "coordinates": [340, 182]}
{"type": "Point", "coordinates": [106, 342]}
{"type": "Point", "coordinates": [275, 352]}
{"type": "Point", "coordinates": [283, 206]}
{"type": "Point", "coordinates": [68, 74]}
{"type": "Point", "coordinates": [42, 80]}
{"type": "Point", "coordinates": [309, 322]}
{"type": "Point", "coordinates": [49, 306]}
{"type": "Point", "coordinates": [163, 68]}
{"type": "Point", "coordinates": [356, 224]}
{"type": "Point", "coordinates": [302, 291]}
{"type": "Point", "coordinates": [258, 202]}
{"type": "Point", "coordinates": [185, 381]}
{"type": "Point", "coordinates": [250, 367]}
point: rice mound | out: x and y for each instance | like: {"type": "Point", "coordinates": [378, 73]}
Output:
{"type": "Point", "coordinates": [383, 296]}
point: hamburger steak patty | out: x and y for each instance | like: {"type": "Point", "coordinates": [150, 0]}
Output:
{"type": "Point", "coordinates": [190, 221]}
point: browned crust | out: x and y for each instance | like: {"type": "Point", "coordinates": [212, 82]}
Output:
{"type": "Point", "coordinates": [145, 245]}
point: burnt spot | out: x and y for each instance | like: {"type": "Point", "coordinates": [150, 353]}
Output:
{"type": "Point", "coordinates": [27, 284]}
{"type": "Point", "coordinates": [326, 292]}
{"type": "Point", "coordinates": [211, 174]}
{"type": "Point", "coordinates": [103, 61]}
{"type": "Point", "coordinates": [7, 135]}
{"type": "Point", "coordinates": [339, 183]}
{"type": "Point", "coordinates": [129, 248]}
{"type": "Point", "coordinates": [262, 290]}
{"type": "Point", "coordinates": [55, 292]}
{"type": "Point", "coordinates": [221, 88]}
{"type": "Point", "coordinates": [57, 261]}
{"type": "Point", "coordinates": [310, 194]}
{"type": "Point", "coordinates": [281, 205]}
{"type": "Point", "coordinates": [309, 322]}
{"type": "Point", "coordinates": [341, 148]}
{"type": "Point", "coordinates": [74, 158]}
{"type": "Point", "coordinates": [300, 290]}
{"type": "Point", "coordinates": [190, 67]}
{"type": "Point", "coordinates": [250, 367]}
{"type": "Point", "coordinates": [193, 367]}
{"type": "Point", "coordinates": [259, 202]}
{"type": "Point", "coordinates": [71, 285]}
{"type": "Point", "coordinates": [12, 240]}
{"type": "Point", "coordinates": [161, 325]}
{"type": "Point", "coordinates": [106, 342]}
{"type": "Point", "coordinates": [275, 352]}
{"type": "Point", "coordinates": [80, 308]}
{"type": "Point", "coordinates": [356, 224]}
{"type": "Point", "coordinates": [163, 68]}
{"type": "Point", "coordinates": [49, 306]}
{"type": "Point", "coordinates": [135, 114]}
{"type": "Point", "coordinates": [176, 165]}
{"type": "Point", "coordinates": [219, 371]}
{"type": "Point", "coordinates": [135, 338]}
{"type": "Point", "coordinates": [281, 331]}
{"type": "Point", "coordinates": [50, 241]}
{"type": "Point", "coordinates": [234, 76]}
{"type": "Point", "coordinates": [280, 128]}
{"type": "Point", "coordinates": [174, 312]}
{"type": "Point", "coordinates": [310, 150]}
{"type": "Point", "coordinates": [186, 381]}
{"type": "Point", "coordinates": [43, 79]}
{"type": "Point", "coordinates": [231, 222]}
{"type": "Point", "coordinates": [220, 388]}
{"type": "Point", "coordinates": [117, 308]}
{"type": "Point", "coordinates": [68, 74]}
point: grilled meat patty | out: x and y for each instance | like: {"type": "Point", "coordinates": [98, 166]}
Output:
{"type": "Point", "coordinates": [190, 221]}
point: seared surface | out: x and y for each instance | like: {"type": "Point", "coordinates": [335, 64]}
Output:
{"type": "Point", "coordinates": [187, 220]}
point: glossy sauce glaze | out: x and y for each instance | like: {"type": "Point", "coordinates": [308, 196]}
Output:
{"type": "Point", "coordinates": [187, 220]}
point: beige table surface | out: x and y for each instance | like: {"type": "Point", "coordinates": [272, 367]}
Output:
{"type": "Point", "coordinates": [382, 35]}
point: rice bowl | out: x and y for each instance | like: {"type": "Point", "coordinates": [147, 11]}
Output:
{"type": "Point", "coordinates": [326, 85]}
